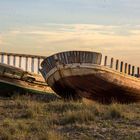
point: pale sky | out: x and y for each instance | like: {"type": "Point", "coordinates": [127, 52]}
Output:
{"type": "Point", "coordinates": [44, 27]}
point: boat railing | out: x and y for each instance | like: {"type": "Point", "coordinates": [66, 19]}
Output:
{"type": "Point", "coordinates": [121, 66]}
{"type": "Point", "coordinates": [27, 62]}
{"type": "Point", "coordinates": [32, 63]}
{"type": "Point", "coordinates": [70, 57]}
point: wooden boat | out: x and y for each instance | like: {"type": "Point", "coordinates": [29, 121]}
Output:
{"type": "Point", "coordinates": [16, 80]}
{"type": "Point", "coordinates": [78, 74]}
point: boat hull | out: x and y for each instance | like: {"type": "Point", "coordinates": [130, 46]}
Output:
{"type": "Point", "coordinates": [9, 90]}
{"type": "Point", "coordinates": [94, 82]}
{"type": "Point", "coordinates": [78, 74]}
{"type": "Point", "coordinates": [10, 86]}
{"type": "Point", "coordinates": [15, 80]}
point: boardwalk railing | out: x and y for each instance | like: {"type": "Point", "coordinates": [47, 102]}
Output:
{"type": "Point", "coordinates": [32, 63]}
{"type": "Point", "coordinates": [27, 62]}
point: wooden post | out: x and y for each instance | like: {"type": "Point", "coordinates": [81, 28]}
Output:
{"type": "Point", "coordinates": [133, 70]}
{"type": "Point", "coordinates": [26, 63]}
{"type": "Point", "coordinates": [121, 66]}
{"type": "Point", "coordinates": [32, 64]}
{"type": "Point", "coordinates": [105, 62]}
{"type": "Point", "coordinates": [14, 60]}
{"type": "Point", "coordinates": [111, 64]}
{"type": "Point", "coordinates": [117, 64]}
{"type": "Point", "coordinates": [2, 58]}
{"type": "Point", "coordinates": [129, 69]}
{"type": "Point", "coordinates": [138, 72]}
{"type": "Point", "coordinates": [38, 65]}
{"type": "Point", "coordinates": [8, 59]}
{"type": "Point", "coordinates": [20, 61]}
{"type": "Point", "coordinates": [126, 68]}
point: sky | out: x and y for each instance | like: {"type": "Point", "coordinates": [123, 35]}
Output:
{"type": "Point", "coordinates": [44, 27]}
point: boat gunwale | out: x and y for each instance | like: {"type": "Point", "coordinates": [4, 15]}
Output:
{"type": "Point", "coordinates": [90, 66]}
{"type": "Point", "coordinates": [43, 62]}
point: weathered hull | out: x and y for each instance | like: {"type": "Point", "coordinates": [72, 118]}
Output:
{"type": "Point", "coordinates": [77, 74]}
{"type": "Point", "coordinates": [9, 86]}
{"type": "Point", "coordinates": [9, 90]}
{"type": "Point", "coordinates": [95, 83]}
{"type": "Point", "coordinates": [15, 80]}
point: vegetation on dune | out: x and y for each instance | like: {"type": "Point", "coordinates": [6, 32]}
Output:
{"type": "Point", "coordinates": [27, 118]}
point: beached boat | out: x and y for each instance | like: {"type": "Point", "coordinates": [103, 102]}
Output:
{"type": "Point", "coordinates": [78, 74]}
{"type": "Point", "coordinates": [16, 80]}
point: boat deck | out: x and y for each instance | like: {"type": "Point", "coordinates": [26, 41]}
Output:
{"type": "Point", "coordinates": [15, 79]}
